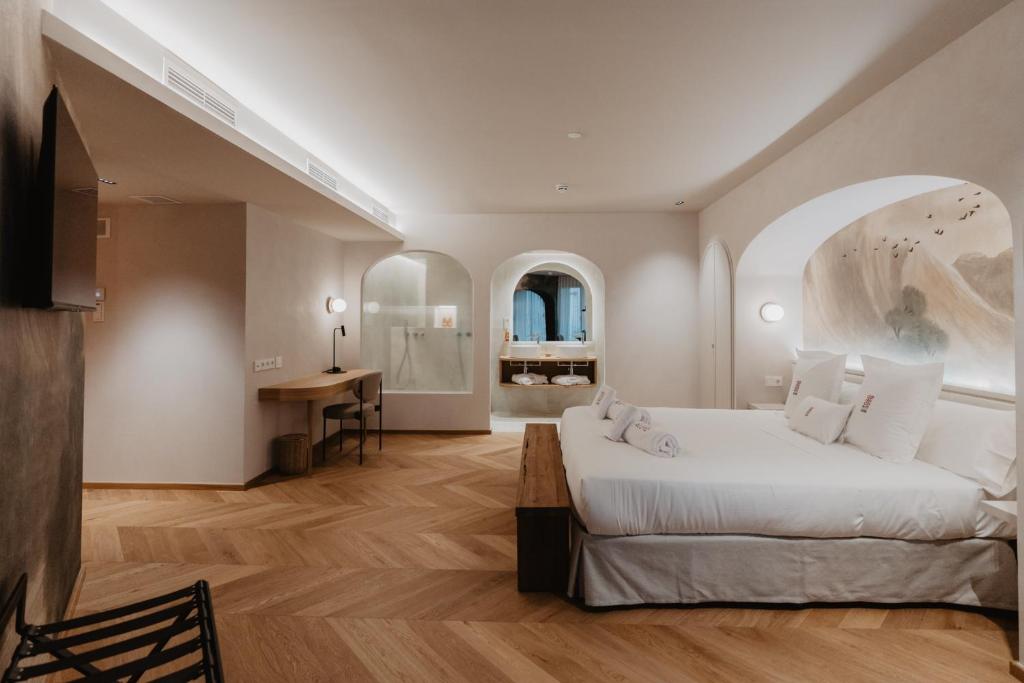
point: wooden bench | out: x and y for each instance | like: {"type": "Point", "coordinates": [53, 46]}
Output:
{"type": "Point", "coordinates": [543, 515]}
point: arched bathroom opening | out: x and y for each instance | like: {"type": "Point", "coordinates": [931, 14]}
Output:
{"type": "Point", "coordinates": [547, 334]}
{"type": "Point", "coordinates": [417, 323]}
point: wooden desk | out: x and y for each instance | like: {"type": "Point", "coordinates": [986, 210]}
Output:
{"type": "Point", "coordinates": [319, 387]}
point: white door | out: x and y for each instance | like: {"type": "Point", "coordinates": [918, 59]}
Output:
{"type": "Point", "coordinates": [715, 328]}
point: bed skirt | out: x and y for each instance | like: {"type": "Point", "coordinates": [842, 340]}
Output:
{"type": "Point", "coordinates": [691, 569]}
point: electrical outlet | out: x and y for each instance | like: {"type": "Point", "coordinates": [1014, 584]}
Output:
{"type": "Point", "coordinates": [263, 364]}
{"type": "Point", "coordinates": [279, 361]}
{"type": "Point", "coordinates": [773, 380]}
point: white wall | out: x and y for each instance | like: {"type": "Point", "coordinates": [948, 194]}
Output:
{"type": "Point", "coordinates": [163, 381]}
{"type": "Point", "coordinates": [289, 273]}
{"type": "Point", "coordinates": [649, 262]}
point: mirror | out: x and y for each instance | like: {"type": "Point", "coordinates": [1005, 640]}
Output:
{"type": "Point", "coordinates": [549, 306]}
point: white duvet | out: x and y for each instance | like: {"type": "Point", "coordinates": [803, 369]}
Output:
{"type": "Point", "coordinates": [746, 472]}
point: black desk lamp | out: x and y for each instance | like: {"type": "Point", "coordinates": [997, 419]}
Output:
{"type": "Point", "coordinates": [334, 369]}
{"type": "Point", "coordinates": [335, 306]}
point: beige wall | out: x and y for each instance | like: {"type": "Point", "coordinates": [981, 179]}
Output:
{"type": "Point", "coordinates": [290, 272]}
{"type": "Point", "coordinates": [164, 383]}
{"type": "Point", "coordinates": [649, 262]}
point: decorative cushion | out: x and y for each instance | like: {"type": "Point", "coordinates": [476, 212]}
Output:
{"type": "Point", "coordinates": [819, 419]}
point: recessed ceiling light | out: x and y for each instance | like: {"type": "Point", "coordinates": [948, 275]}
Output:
{"type": "Point", "coordinates": [575, 134]}
{"type": "Point", "coordinates": [680, 202]}
{"type": "Point", "coordinates": [562, 187]}
{"type": "Point", "coordinates": [107, 181]}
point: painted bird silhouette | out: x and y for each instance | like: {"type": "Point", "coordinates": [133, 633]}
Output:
{"type": "Point", "coordinates": [961, 199]}
{"type": "Point", "coordinates": [977, 206]}
{"type": "Point", "coordinates": [964, 217]}
{"type": "Point", "coordinates": [929, 215]}
{"type": "Point", "coordinates": [976, 194]}
{"type": "Point", "coordinates": [884, 238]}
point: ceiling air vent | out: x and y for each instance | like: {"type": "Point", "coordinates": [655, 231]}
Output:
{"type": "Point", "coordinates": [157, 199]}
{"type": "Point", "coordinates": [321, 175]}
{"type": "Point", "coordinates": [90, 191]}
{"type": "Point", "coordinates": [381, 214]}
{"type": "Point", "coordinates": [176, 79]}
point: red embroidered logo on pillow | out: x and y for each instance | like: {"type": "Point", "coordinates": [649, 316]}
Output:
{"type": "Point", "coordinates": [796, 386]}
{"type": "Point", "coordinates": [867, 403]}
{"type": "Point", "coordinates": [809, 411]}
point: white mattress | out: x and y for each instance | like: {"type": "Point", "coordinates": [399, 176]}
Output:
{"type": "Point", "coordinates": [746, 472]}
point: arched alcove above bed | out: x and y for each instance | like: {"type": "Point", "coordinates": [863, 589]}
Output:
{"type": "Point", "coordinates": [951, 296]}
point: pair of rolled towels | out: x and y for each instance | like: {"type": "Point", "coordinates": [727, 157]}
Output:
{"type": "Point", "coordinates": [632, 424]}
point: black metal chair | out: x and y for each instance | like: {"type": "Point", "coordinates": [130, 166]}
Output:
{"type": "Point", "coordinates": [369, 396]}
{"type": "Point", "coordinates": [184, 616]}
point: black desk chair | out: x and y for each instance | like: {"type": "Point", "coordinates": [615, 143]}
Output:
{"type": "Point", "coordinates": [369, 400]}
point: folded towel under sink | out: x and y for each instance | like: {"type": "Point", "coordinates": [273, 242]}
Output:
{"type": "Point", "coordinates": [529, 378]}
{"type": "Point", "coordinates": [570, 380]}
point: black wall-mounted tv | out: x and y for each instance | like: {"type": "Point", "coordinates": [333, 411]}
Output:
{"type": "Point", "coordinates": [58, 258]}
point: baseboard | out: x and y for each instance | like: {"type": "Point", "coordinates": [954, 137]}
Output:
{"type": "Point", "coordinates": [160, 486]}
{"type": "Point", "coordinates": [452, 432]}
{"type": "Point", "coordinates": [76, 591]}
{"type": "Point", "coordinates": [1017, 670]}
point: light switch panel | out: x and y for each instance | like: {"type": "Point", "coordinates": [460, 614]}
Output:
{"type": "Point", "coordinates": [773, 380]}
{"type": "Point", "coordinates": [278, 361]}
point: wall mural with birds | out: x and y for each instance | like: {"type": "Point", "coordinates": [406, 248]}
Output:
{"type": "Point", "coordinates": [926, 279]}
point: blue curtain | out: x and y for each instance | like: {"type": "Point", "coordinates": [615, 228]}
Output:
{"type": "Point", "coordinates": [528, 318]}
{"type": "Point", "coordinates": [570, 308]}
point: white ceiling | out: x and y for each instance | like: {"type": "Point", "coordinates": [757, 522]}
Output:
{"type": "Point", "coordinates": [464, 105]}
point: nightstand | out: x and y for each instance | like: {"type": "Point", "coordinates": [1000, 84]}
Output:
{"type": "Point", "coordinates": [765, 406]}
{"type": "Point", "coordinates": [1005, 510]}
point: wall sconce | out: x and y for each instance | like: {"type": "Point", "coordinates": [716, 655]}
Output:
{"type": "Point", "coordinates": [772, 312]}
{"type": "Point", "coordinates": [336, 305]}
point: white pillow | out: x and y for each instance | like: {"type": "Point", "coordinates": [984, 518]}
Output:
{"type": "Point", "coordinates": [604, 398]}
{"type": "Point", "coordinates": [819, 419]}
{"type": "Point", "coordinates": [976, 443]}
{"type": "Point", "coordinates": [815, 374]}
{"type": "Point", "coordinates": [893, 407]}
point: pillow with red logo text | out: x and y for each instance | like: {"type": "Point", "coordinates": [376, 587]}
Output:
{"type": "Point", "coordinates": [816, 373]}
{"type": "Point", "coordinates": [819, 419]}
{"type": "Point", "coordinates": [893, 407]}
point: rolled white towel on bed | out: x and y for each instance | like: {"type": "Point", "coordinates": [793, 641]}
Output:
{"type": "Point", "coordinates": [618, 406]}
{"type": "Point", "coordinates": [661, 444]}
{"type": "Point", "coordinates": [624, 416]}
{"type": "Point", "coordinates": [605, 397]}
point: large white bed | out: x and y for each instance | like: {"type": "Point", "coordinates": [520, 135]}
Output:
{"type": "Point", "coordinates": [751, 511]}
{"type": "Point", "coordinates": [746, 472]}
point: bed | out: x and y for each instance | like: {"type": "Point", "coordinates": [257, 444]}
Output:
{"type": "Point", "coordinates": [753, 512]}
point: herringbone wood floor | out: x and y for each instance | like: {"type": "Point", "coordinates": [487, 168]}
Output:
{"type": "Point", "coordinates": [403, 570]}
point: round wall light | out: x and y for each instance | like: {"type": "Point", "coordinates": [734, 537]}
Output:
{"type": "Point", "coordinates": [772, 312]}
{"type": "Point", "coordinates": [336, 305]}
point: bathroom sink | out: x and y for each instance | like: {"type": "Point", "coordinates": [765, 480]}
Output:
{"type": "Point", "coordinates": [572, 349]}
{"type": "Point", "coordinates": [524, 350]}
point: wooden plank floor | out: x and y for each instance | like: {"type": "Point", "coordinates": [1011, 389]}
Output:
{"type": "Point", "coordinates": [404, 570]}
